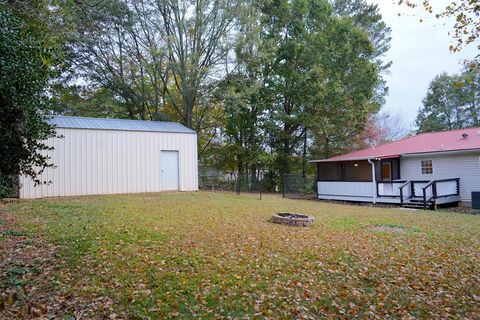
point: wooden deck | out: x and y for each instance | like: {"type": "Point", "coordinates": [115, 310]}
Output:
{"type": "Point", "coordinates": [412, 194]}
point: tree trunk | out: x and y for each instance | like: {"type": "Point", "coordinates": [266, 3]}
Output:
{"type": "Point", "coordinates": [188, 110]}
{"type": "Point", "coordinates": [304, 155]}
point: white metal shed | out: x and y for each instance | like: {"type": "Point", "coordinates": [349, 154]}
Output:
{"type": "Point", "coordinates": [108, 156]}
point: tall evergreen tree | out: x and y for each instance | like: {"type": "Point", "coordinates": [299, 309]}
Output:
{"type": "Point", "coordinates": [322, 79]}
{"type": "Point", "coordinates": [242, 95]}
{"type": "Point", "coordinates": [367, 17]}
{"type": "Point", "coordinates": [305, 78]}
{"type": "Point", "coordinates": [451, 102]}
{"type": "Point", "coordinates": [470, 88]}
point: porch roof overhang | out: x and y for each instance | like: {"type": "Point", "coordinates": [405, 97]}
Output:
{"type": "Point", "coordinates": [411, 154]}
{"type": "Point", "coordinates": [356, 159]}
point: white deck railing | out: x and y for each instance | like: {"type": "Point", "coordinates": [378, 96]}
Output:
{"type": "Point", "coordinates": [418, 189]}
{"type": "Point", "coordinates": [389, 189]}
{"type": "Point", "coordinates": [446, 188]}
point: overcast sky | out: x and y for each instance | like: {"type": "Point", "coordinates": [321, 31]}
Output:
{"type": "Point", "coordinates": [419, 52]}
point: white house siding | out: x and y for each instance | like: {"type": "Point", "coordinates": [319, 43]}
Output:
{"type": "Point", "coordinates": [341, 188]}
{"type": "Point", "coordinates": [91, 161]}
{"type": "Point", "coordinates": [466, 167]}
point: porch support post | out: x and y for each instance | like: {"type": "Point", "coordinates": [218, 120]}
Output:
{"type": "Point", "coordinates": [374, 182]}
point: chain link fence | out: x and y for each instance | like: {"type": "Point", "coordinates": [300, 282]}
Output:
{"type": "Point", "coordinates": [216, 183]}
{"type": "Point", "coordinates": [293, 186]}
{"type": "Point", "coordinates": [231, 182]}
{"type": "Point", "coordinates": [247, 184]}
{"type": "Point", "coordinates": [297, 186]}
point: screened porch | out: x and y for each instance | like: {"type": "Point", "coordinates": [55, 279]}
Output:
{"type": "Point", "coordinates": [379, 181]}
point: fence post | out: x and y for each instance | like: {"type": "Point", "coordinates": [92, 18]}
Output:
{"type": "Point", "coordinates": [283, 187]}
{"type": "Point", "coordinates": [424, 199]}
{"type": "Point", "coordinates": [261, 189]}
{"type": "Point", "coordinates": [401, 196]}
{"type": "Point", "coordinates": [238, 184]}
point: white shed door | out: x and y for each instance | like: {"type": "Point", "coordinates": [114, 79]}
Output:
{"type": "Point", "coordinates": [169, 170]}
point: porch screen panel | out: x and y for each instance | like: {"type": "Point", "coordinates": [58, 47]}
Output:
{"type": "Point", "coordinates": [329, 172]}
{"type": "Point", "coordinates": [395, 169]}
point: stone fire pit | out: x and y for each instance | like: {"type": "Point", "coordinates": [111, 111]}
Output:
{"type": "Point", "coordinates": [292, 219]}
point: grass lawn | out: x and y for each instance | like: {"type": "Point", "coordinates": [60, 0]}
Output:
{"type": "Point", "coordinates": [215, 255]}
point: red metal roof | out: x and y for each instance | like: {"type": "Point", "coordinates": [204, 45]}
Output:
{"type": "Point", "coordinates": [422, 143]}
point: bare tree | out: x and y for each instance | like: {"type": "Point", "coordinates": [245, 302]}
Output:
{"type": "Point", "coordinates": [154, 53]}
{"type": "Point", "coordinates": [384, 127]}
{"type": "Point", "coordinates": [117, 47]}
{"type": "Point", "coordinates": [198, 37]}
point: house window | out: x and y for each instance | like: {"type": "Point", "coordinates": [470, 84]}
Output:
{"type": "Point", "coordinates": [427, 167]}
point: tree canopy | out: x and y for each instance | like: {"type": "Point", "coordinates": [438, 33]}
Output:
{"type": "Point", "coordinates": [267, 84]}
{"type": "Point", "coordinates": [305, 81]}
{"type": "Point", "coordinates": [452, 102]}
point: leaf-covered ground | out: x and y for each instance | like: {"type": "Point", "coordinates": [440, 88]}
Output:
{"type": "Point", "coordinates": [215, 255]}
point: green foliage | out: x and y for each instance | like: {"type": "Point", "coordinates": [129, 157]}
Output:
{"type": "Point", "coordinates": [322, 79]}
{"type": "Point", "coordinates": [27, 63]}
{"type": "Point", "coordinates": [15, 274]}
{"type": "Point", "coordinates": [367, 17]}
{"type": "Point", "coordinates": [307, 77]}
{"type": "Point", "coordinates": [80, 101]}
{"type": "Point", "coordinates": [452, 102]}
{"type": "Point", "coordinates": [7, 185]}
{"type": "Point", "coordinates": [266, 84]}
{"type": "Point", "coordinates": [13, 233]}
{"type": "Point", "coordinates": [308, 188]}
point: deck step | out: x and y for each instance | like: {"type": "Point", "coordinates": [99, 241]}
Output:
{"type": "Point", "coordinates": [412, 206]}
{"type": "Point", "coordinates": [416, 200]}
{"type": "Point", "coordinates": [416, 204]}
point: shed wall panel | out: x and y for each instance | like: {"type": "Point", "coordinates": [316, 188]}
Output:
{"type": "Point", "coordinates": [91, 162]}
{"type": "Point", "coordinates": [465, 167]}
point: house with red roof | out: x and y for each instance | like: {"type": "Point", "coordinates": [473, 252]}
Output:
{"type": "Point", "coordinates": [421, 171]}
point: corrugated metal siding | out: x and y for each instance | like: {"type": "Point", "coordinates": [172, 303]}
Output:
{"type": "Point", "coordinates": [107, 162]}
{"type": "Point", "coordinates": [465, 167]}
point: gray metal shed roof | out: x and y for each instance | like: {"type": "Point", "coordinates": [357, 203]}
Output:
{"type": "Point", "coordinates": [117, 124]}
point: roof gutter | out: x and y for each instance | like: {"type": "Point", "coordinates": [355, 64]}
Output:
{"type": "Point", "coordinates": [338, 160]}
{"type": "Point", "coordinates": [356, 159]}
{"type": "Point", "coordinates": [374, 184]}
{"type": "Point", "coordinates": [440, 153]}
{"type": "Point", "coordinates": [413, 154]}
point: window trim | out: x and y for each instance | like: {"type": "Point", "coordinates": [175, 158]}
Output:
{"type": "Point", "coordinates": [421, 167]}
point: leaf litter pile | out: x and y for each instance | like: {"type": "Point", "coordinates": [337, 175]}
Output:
{"type": "Point", "coordinates": [215, 255]}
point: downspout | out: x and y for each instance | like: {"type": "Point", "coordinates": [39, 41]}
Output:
{"type": "Point", "coordinates": [374, 183]}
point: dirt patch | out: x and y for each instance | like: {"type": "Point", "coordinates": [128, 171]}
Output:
{"type": "Point", "coordinates": [27, 262]}
{"type": "Point", "coordinates": [460, 209]}
{"type": "Point", "coordinates": [35, 281]}
{"type": "Point", "coordinates": [389, 228]}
